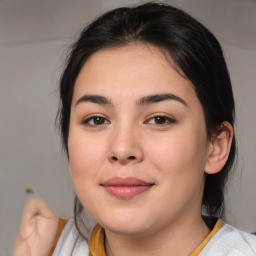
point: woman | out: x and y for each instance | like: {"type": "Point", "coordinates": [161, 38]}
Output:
{"type": "Point", "coordinates": [146, 118]}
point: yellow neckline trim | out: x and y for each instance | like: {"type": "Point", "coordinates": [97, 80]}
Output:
{"type": "Point", "coordinates": [97, 238]}
{"type": "Point", "coordinates": [97, 241]}
{"type": "Point", "coordinates": [61, 224]}
{"type": "Point", "coordinates": [219, 224]}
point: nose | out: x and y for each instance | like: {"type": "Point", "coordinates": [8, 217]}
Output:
{"type": "Point", "coordinates": [126, 147]}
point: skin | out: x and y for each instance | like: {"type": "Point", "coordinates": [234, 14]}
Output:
{"type": "Point", "coordinates": [127, 141]}
{"type": "Point", "coordinates": [37, 230]}
{"type": "Point", "coordinates": [171, 152]}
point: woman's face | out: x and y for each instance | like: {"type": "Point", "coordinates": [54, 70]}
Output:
{"type": "Point", "coordinates": [137, 141]}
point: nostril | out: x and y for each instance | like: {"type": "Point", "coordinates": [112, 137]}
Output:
{"type": "Point", "coordinates": [114, 158]}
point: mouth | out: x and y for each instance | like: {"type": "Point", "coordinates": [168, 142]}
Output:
{"type": "Point", "coordinates": [126, 188]}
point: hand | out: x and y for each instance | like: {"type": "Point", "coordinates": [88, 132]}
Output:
{"type": "Point", "coordinates": [37, 230]}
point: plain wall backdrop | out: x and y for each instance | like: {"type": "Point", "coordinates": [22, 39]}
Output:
{"type": "Point", "coordinates": [34, 40]}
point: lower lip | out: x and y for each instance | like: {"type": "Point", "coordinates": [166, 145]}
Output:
{"type": "Point", "coordinates": [126, 192]}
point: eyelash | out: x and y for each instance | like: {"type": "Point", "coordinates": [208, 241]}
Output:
{"type": "Point", "coordinates": [93, 118]}
{"type": "Point", "coordinates": [167, 120]}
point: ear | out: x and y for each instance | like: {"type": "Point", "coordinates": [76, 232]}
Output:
{"type": "Point", "coordinates": [219, 148]}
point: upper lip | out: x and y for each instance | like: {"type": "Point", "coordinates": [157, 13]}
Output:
{"type": "Point", "coordinates": [127, 181]}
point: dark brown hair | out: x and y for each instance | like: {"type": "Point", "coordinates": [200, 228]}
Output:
{"type": "Point", "coordinates": [194, 50]}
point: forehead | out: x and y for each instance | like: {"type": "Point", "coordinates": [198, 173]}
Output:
{"type": "Point", "coordinates": [136, 69]}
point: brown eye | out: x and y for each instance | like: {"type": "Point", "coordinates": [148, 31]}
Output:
{"type": "Point", "coordinates": [95, 121]}
{"type": "Point", "coordinates": [160, 120]}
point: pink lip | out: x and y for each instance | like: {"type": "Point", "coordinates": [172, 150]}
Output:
{"type": "Point", "coordinates": [126, 188]}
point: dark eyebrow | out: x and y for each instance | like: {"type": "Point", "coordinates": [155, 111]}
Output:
{"type": "Point", "coordinates": [94, 99]}
{"type": "Point", "coordinates": [158, 98]}
{"type": "Point", "coordinates": [141, 102]}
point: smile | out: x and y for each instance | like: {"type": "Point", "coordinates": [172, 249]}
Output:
{"type": "Point", "coordinates": [126, 188]}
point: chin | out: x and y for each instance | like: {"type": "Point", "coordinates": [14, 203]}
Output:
{"type": "Point", "coordinates": [126, 229]}
{"type": "Point", "coordinates": [126, 224]}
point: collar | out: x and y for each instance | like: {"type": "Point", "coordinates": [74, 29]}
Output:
{"type": "Point", "coordinates": [97, 240]}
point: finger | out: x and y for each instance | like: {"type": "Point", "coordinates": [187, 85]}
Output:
{"type": "Point", "coordinates": [34, 210]}
{"type": "Point", "coordinates": [36, 207]}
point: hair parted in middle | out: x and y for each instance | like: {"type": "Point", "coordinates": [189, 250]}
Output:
{"type": "Point", "coordinates": [196, 55]}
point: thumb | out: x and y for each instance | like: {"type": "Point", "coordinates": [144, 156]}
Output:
{"type": "Point", "coordinates": [34, 209]}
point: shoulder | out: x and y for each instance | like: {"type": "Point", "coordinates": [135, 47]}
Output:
{"type": "Point", "coordinates": [70, 243]}
{"type": "Point", "coordinates": [229, 241]}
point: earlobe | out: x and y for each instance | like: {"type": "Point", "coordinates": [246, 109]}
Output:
{"type": "Point", "coordinates": [219, 148]}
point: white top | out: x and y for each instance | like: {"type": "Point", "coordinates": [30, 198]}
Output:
{"type": "Point", "coordinates": [228, 241]}
{"type": "Point", "coordinates": [70, 243]}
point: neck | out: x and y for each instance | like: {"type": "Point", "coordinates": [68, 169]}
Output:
{"type": "Point", "coordinates": [181, 238]}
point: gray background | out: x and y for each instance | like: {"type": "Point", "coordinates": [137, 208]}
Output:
{"type": "Point", "coordinates": [34, 39]}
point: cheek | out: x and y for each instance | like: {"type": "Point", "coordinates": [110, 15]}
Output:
{"type": "Point", "coordinates": [180, 154]}
{"type": "Point", "coordinates": [180, 162]}
{"type": "Point", "coordinates": [85, 157]}
{"type": "Point", "coordinates": [84, 167]}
